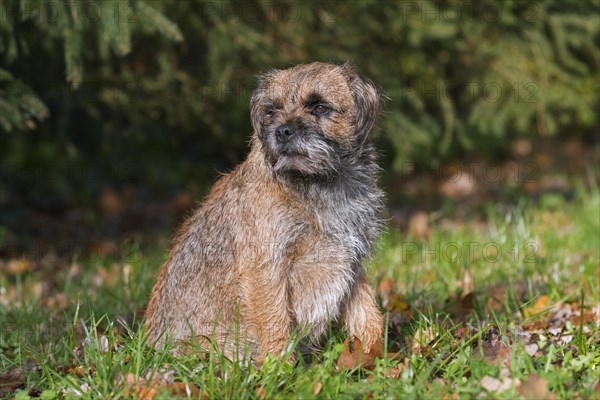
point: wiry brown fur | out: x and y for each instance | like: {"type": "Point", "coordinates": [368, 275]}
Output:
{"type": "Point", "coordinates": [277, 246]}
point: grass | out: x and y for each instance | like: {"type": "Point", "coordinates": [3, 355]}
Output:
{"type": "Point", "coordinates": [466, 306]}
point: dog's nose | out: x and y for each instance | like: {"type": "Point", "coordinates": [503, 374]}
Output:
{"type": "Point", "coordinates": [283, 133]}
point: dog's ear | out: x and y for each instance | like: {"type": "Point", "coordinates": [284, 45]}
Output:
{"type": "Point", "coordinates": [257, 101]}
{"type": "Point", "coordinates": [367, 98]}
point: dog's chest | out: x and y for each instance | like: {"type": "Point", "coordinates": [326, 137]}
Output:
{"type": "Point", "coordinates": [350, 223]}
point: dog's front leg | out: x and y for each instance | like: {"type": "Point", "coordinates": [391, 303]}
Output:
{"type": "Point", "coordinates": [361, 316]}
{"type": "Point", "coordinates": [267, 317]}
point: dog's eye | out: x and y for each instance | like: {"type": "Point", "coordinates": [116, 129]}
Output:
{"type": "Point", "coordinates": [270, 112]}
{"type": "Point", "coordinates": [320, 109]}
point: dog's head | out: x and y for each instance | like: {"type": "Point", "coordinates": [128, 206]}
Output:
{"type": "Point", "coordinates": [311, 118]}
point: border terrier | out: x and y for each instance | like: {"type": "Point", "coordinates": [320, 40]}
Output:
{"type": "Point", "coordinates": [277, 246]}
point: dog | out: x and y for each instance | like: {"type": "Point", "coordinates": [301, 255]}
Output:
{"type": "Point", "coordinates": [278, 246]}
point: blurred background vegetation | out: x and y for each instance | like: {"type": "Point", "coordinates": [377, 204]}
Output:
{"type": "Point", "coordinates": [108, 103]}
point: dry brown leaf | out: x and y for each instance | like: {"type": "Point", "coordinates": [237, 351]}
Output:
{"type": "Point", "coordinates": [589, 317]}
{"type": "Point", "coordinates": [540, 305]}
{"type": "Point", "coordinates": [492, 384]}
{"type": "Point", "coordinates": [531, 349]}
{"type": "Point", "coordinates": [521, 147]}
{"type": "Point", "coordinates": [143, 392]}
{"type": "Point", "coordinates": [108, 275]}
{"type": "Point", "coordinates": [418, 226]}
{"type": "Point", "coordinates": [260, 392]}
{"type": "Point", "coordinates": [180, 389]}
{"type": "Point", "coordinates": [454, 396]}
{"type": "Point", "coordinates": [464, 306]}
{"type": "Point", "coordinates": [386, 289]}
{"type": "Point", "coordinates": [58, 301]}
{"type": "Point", "coordinates": [317, 388]}
{"type": "Point", "coordinates": [12, 380]}
{"type": "Point", "coordinates": [395, 303]}
{"type": "Point", "coordinates": [97, 250]}
{"type": "Point", "coordinates": [422, 339]}
{"type": "Point", "coordinates": [139, 388]}
{"type": "Point", "coordinates": [110, 203]}
{"type": "Point", "coordinates": [461, 184]}
{"type": "Point", "coordinates": [466, 284]}
{"type": "Point", "coordinates": [395, 371]}
{"type": "Point", "coordinates": [399, 305]}
{"type": "Point", "coordinates": [354, 356]}
{"type": "Point", "coordinates": [494, 348]}
{"type": "Point", "coordinates": [83, 388]}
{"type": "Point", "coordinates": [78, 370]}
{"type": "Point", "coordinates": [142, 388]}
{"type": "Point", "coordinates": [17, 267]}
{"type": "Point", "coordinates": [535, 387]}
{"type": "Point", "coordinates": [497, 299]}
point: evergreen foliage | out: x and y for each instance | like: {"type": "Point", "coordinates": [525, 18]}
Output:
{"type": "Point", "coordinates": [165, 84]}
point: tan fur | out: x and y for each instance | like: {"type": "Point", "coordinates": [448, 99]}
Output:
{"type": "Point", "coordinates": [277, 247]}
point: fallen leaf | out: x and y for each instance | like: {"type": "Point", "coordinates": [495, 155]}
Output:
{"type": "Point", "coordinates": [143, 392]}
{"type": "Point", "coordinates": [103, 344]}
{"type": "Point", "coordinates": [459, 185]}
{"type": "Point", "coordinates": [395, 371]}
{"type": "Point", "coordinates": [260, 392]}
{"type": "Point", "coordinates": [521, 147]}
{"type": "Point", "coordinates": [493, 347]}
{"type": "Point", "coordinates": [83, 388]}
{"type": "Point", "coordinates": [18, 267]}
{"type": "Point", "coordinates": [466, 284]}
{"type": "Point", "coordinates": [531, 349]}
{"type": "Point", "coordinates": [140, 389]}
{"type": "Point", "coordinates": [163, 375]}
{"type": "Point", "coordinates": [492, 384]}
{"type": "Point", "coordinates": [78, 370]}
{"type": "Point", "coordinates": [58, 300]}
{"type": "Point", "coordinates": [565, 339]}
{"type": "Point", "coordinates": [398, 306]}
{"type": "Point", "coordinates": [392, 372]}
{"type": "Point", "coordinates": [147, 389]}
{"type": "Point", "coordinates": [392, 301]}
{"type": "Point", "coordinates": [418, 226]}
{"type": "Point", "coordinates": [317, 388]}
{"type": "Point", "coordinates": [353, 356]}
{"type": "Point", "coordinates": [11, 381]}
{"type": "Point", "coordinates": [386, 289]}
{"type": "Point", "coordinates": [399, 309]}
{"type": "Point", "coordinates": [535, 387]}
{"type": "Point", "coordinates": [453, 397]}
{"type": "Point", "coordinates": [95, 251]}
{"type": "Point", "coordinates": [540, 306]}
{"type": "Point", "coordinates": [180, 389]}
{"type": "Point", "coordinates": [464, 306]}
{"type": "Point", "coordinates": [497, 299]}
{"type": "Point", "coordinates": [110, 203]}
{"type": "Point", "coordinates": [421, 340]}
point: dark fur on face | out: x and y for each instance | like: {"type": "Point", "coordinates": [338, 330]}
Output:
{"type": "Point", "coordinates": [314, 120]}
